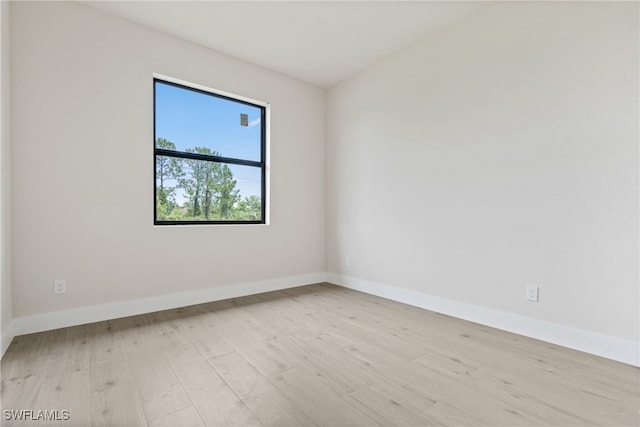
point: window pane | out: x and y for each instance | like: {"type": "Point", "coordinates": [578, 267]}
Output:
{"type": "Point", "coordinates": [190, 120]}
{"type": "Point", "coordinates": [198, 190]}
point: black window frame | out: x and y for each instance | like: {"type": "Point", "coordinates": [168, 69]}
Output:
{"type": "Point", "coordinates": [211, 158]}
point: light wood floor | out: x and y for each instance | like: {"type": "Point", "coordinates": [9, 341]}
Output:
{"type": "Point", "coordinates": [313, 356]}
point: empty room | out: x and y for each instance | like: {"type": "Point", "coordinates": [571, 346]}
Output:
{"type": "Point", "coordinates": [320, 213]}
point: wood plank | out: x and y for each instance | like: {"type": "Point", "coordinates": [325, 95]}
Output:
{"type": "Point", "coordinates": [187, 417]}
{"type": "Point", "coordinates": [268, 404]}
{"type": "Point", "coordinates": [22, 377]}
{"type": "Point", "coordinates": [118, 405]}
{"type": "Point", "coordinates": [114, 397]}
{"type": "Point", "coordinates": [216, 403]}
{"type": "Point", "coordinates": [20, 389]}
{"type": "Point", "coordinates": [69, 391]}
{"type": "Point", "coordinates": [102, 343]}
{"type": "Point", "coordinates": [265, 357]}
{"type": "Point", "coordinates": [160, 391]}
{"type": "Point", "coordinates": [336, 375]}
{"type": "Point", "coordinates": [385, 408]}
{"type": "Point", "coordinates": [319, 402]}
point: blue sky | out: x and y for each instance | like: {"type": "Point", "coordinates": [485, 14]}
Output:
{"type": "Point", "coordinates": [192, 119]}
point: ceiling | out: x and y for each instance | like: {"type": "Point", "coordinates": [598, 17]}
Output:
{"type": "Point", "coordinates": [320, 42]}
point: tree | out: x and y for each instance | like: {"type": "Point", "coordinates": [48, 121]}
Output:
{"type": "Point", "coordinates": [168, 169]}
{"type": "Point", "coordinates": [193, 183]}
{"type": "Point", "coordinates": [226, 193]}
{"type": "Point", "coordinates": [210, 187]}
{"type": "Point", "coordinates": [250, 208]}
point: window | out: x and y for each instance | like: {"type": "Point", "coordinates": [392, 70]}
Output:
{"type": "Point", "coordinates": [209, 155]}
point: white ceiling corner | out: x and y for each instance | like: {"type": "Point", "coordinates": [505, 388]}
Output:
{"type": "Point", "coordinates": [320, 42]}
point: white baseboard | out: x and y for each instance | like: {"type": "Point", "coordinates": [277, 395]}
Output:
{"type": "Point", "coordinates": [7, 336]}
{"type": "Point", "coordinates": [96, 313]}
{"type": "Point", "coordinates": [589, 342]}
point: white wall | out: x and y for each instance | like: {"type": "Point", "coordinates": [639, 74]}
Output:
{"type": "Point", "coordinates": [5, 183]}
{"type": "Point", "coordinates": [82, 122]}
{"type": "Point", "coordinates": [500, 152]}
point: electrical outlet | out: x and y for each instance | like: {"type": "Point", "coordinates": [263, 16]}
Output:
{"type": "Point", "coordinates": [532, 293]}
{"type": "Point", "coordinates": [59, 286]}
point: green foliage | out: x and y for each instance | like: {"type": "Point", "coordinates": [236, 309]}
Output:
{"type": "Point", "coordinates": [248, 209]}
{"type": "Point", "coordinates": [168, 169]}
{"type": "Point", "coordinates": [198, 190]}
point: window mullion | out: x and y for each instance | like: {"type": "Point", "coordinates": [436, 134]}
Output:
{"type": "Point", "coordinates": [206, 157]}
